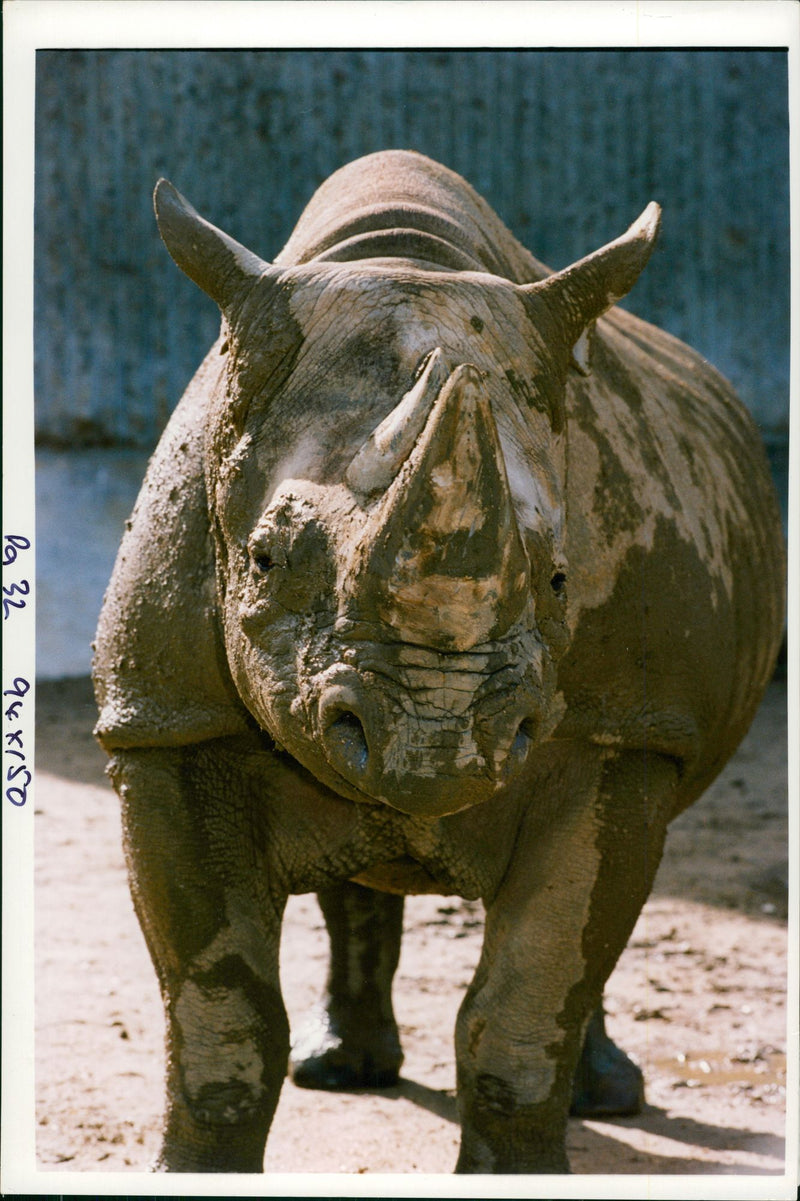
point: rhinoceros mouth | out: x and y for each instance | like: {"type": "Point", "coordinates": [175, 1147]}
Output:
{"type": "Point", "coordinates": [402, 875]}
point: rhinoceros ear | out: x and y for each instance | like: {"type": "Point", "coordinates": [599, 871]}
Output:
{"type": "Point", "coordinates": [217, 263]}
{"type": "Point", "coordinates": [582, 292]}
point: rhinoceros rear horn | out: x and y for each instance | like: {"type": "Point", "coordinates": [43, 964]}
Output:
{"type": "Point", "coordinates": [582, 292]}
{"type": "Point", "coordinates": [386, 449]}
{"type": "Point", "coordinates": [218, 264]}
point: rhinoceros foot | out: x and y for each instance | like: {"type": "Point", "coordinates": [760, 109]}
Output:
{"type": "Point", "coordinates": [330, 1055]}
{"type": "Point", "coordinates": [606, 1081]}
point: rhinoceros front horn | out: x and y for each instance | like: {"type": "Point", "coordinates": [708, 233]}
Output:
{"type": "Point", "coordinates": [218, 264]}
{"type": "Point", "coordinates": [443, 563]}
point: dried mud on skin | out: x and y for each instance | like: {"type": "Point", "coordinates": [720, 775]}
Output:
{"type": "Point", "coordinates": [698, 997]}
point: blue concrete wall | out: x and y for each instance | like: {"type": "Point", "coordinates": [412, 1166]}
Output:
{"type": "Point", "coordinates": [567, 146]}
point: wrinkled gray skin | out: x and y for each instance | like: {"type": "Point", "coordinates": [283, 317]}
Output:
{"type": "Point", "coordinates": [433, 585]}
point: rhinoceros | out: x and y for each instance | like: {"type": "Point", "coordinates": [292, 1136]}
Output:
{"type": "Point", "coordinates": [447, 576]}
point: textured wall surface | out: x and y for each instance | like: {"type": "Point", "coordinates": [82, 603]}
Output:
{"type": "Point", "coordinates": [567, 146]}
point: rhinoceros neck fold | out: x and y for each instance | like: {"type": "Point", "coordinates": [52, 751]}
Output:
{"type": "Point", "coordinates": [396, 230]}
{"type": "Point", "coordinates": [418, 209]}
{"type": "Point", "coordinates": [401, 242]}
{"type": "Point", "coordinates": [445, 565]}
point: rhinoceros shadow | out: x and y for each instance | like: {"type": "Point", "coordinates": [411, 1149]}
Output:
{"type": "Point", "coordinates": [602, 1146]}
{"type": "Point", "coordinates": [669, 1145]}
{"type": "Point", "coordinates": [65, 717]}
{"type": "Point", "coordinates": [436, 1101]}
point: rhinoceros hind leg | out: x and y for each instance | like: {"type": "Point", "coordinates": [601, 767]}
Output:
{"type": "Point", "coordinates": [352, 1041]}
{"type": "Point", "coordinates": [328, 1056]}
{"type": "Point", "coordinates": [606, 1082]}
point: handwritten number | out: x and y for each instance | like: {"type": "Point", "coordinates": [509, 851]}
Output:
{"type": "Point", "coordinates": [23, 588]}
{"type": "Point", "coordinates": [22, 792]}
{"type": "Point", "coordinates": [21, 687]}
{"type": "Point", "coordinates": [17, 795]}
{"type": "Point", "coordinates": [13, 543]}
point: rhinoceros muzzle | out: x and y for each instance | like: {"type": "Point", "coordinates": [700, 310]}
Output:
{"type": "Point", "coordinates": [428, 740]}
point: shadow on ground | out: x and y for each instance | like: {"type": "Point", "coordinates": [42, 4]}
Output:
{"type": "Point", "coordinates": [670, 1140]}
{"type": "Point", "coordinates": [65, 717]}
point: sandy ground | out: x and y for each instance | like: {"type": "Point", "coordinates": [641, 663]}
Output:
{"type": "Point", "coordinates": [698, 998]}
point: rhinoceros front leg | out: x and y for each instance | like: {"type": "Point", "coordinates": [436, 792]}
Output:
{"type": "Point", "coordinates": [582, 868]}
{"type": "Point", "coordinates": [212, 928]}
{"type": "Point", "coordinates": [352, 1041]}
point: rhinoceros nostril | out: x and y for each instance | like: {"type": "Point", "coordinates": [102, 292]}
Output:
{"type": "Point", "coordinates": [521, 744]}
{"type": "Point", "coordinates": [347, 741]}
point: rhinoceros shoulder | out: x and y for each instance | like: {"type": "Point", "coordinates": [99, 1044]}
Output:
{"type": "Point", "coordinates": [160, 672]}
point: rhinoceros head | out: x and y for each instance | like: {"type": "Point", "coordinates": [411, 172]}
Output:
{"type": "Point", "coordinates": [384, 468]}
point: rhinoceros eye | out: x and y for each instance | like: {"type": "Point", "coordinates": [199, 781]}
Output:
{"type": "Point", "coordinates": [558, 582]}
{"type": "Point", "coordinates": [265, 558]}
{"type": "Point", "coordinates": [263, 561]}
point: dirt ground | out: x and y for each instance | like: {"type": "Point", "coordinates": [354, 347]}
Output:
{"type": "Point", "coordinates": [698, 998]}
